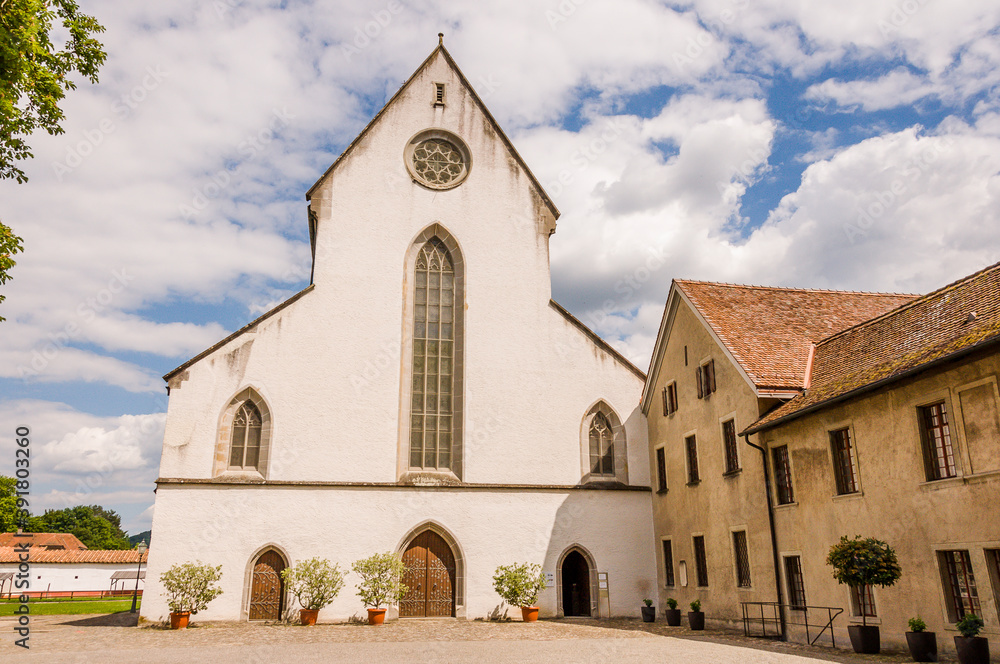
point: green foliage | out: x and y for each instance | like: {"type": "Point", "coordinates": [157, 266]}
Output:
{"type": "Point", "coordinates": [647, 602]}
{"type": "Point", "coordinates": [191, 586]}
{"type": "Point", "coordinates": [314, 582]}
{"type": "Point", "coordinates": [10, 244]}
{"type": "Point", "coordinates": [90, 524]}
{"type": "Point", "coordinates": [970, 625]}
{"type": "Point", "coordinates": [671, 602]}
{"type": "Point", "coordinates": [381, 579]}
{"type": "Point", "coordinates": [696, 605]}
{"type": "Point", "coordinates": [34, 72]}
{"type": "Point", "coordinates": [8, 504]}
{"type": "Point", "coordinates": [864, 562]}
{"type": "Point", "coordinates": [917, 625]}
{"type": "Point", "coordinates": [519, 584]}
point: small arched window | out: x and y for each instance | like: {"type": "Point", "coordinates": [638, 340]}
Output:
{"type": "Point", "coordinates": [602, 446]}
{"type": "Point", "coordinates": [244, 450]}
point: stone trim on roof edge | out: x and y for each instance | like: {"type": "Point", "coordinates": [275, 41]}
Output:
{"type": "Point", "coordinates": [604, 345]}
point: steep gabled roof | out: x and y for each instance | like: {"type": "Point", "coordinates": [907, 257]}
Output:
{"type": "Point", "coordinates": [479, 103]}
{"type": "Point", "coordinates": [961, 318]}
{"type": "Point", "coordinates": [768, 332]}
{"type": "Point", "coordinates": [38, 541]}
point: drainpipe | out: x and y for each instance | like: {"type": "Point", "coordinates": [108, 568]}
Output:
{"type": "Point", "coordinates": [774, 535]}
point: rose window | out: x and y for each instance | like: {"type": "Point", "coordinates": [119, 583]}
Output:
{"type": "Point", "coordinates": [437, 162]}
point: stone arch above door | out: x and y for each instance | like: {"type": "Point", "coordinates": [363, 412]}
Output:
{"type": "Point", "coordinates": [434, 536]}
{"type": "Point", "coordinates": [264, 592]}
{"type": "Point", "coordinates": [591, 589]}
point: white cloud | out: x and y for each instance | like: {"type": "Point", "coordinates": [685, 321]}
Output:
{"type": "Point", "coordinates": [899, 87]}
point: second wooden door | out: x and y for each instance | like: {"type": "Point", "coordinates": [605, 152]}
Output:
{"type": "Point", "coordinates": [430, 578]}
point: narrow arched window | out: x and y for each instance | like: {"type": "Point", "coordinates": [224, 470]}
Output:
{"type": "Point", "coordinates": [432, 409]}
{"type": "Point", "coordinates": [602, 446]}
{"type": "Point", "coordinates": [244, 450]}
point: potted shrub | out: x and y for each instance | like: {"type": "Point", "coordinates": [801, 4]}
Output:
{"type": "Point", "coordinates": [696, 618]}
{"type": "Point", "coordinates": [972, 648]}
{"type": "Point", "coordinates": [315, 583]}
{"type": "Point", "coordinates": [519, 585]}
{"type": "Point", "coordinates": [189, 588]}
{"type": "Point", "coordinates": [864, 562]}
{"type": "Point", "coordinates": [648, 611]}
{"type": "Point", "coordinates": [673, 614]}
{"type": "Point", "coordinates": [922, 644]}
{"type": "Point", "coordinates": [381, 583]}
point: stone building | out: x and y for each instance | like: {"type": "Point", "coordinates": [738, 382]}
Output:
{"type": "Point", "coordinates": [423, 395]}
{"type": "Point", "coordinates": [897, 436]}
{"type": "Point", "coordinates": [726, 354]}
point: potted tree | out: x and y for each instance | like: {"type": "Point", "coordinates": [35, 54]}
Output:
{"type": "Point", "coordinates": [696, 617]}
{"type": "Point", "coordinates": [315, 583]}
{"type": "Point", "coordinates": [864, 562]}
{"type": "Point", "coordinates": [189, 588]}
{"type": "Point", "coordinates": [972, 648]}
{"type": "Point", "coordinates": [673, 614]}
{"type": "Point", "coordinates": [381, 583]}
{"type": "Point", "coordinates": [519, 585]}
{"type": "Point", "coordinates": [648, 611]}
{"type": "Point", "coordinates": [922, 644]}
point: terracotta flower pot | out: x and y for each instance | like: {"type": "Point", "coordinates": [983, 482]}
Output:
{"type": "Point", "coordinates": [696, 619]}
{"type": "Point", "coordinates": [529, 613]}
{"type": "Point", "coordinates": [308, 616]}
{"type": "Point", "coordinates": [179, 619]}
{"type": "Point", "coordinates": [973, 649]}
{"type": "Point", "coordinates": [922, 645]}
{"type": "Point", "coordinates": [376, 616]}
{"type": "Point", "coordinates": [673, 617]}
{"type": "Point", "coordinates": [865, 639]}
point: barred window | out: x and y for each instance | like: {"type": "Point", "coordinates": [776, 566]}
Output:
{"type": "Point", "coordinates": [844, 464]}
{"type": "Point", "coordinates": [661, 469]}
{"type": "Point", "coordinates": [244, 451]}
{"type": "Point", "coordinates": [939, 457]}
{"type": "Point", "coordinates": [732, 452]}
{"type": "Point", "coordinates": [795, 582]}
{"type": "Point", "coordinates": [960, 584]}
{"type": "Point", "coordinates": [691, 445]}
{"type": "Point", "coordinates": [668, 563]}
{"type": "Point", "coordinates": [700, 560]}
{"type": "Point", "coordinates": [431, 414]}
{"type": "Point", "coordinates": [863, 601]}
{"type": "Point", "coordinates": [783, 475]}
{"type": "Point", "coordinates": [742, 559]}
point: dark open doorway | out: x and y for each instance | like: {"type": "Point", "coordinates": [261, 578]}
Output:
{"type": "Point", "coordinates": [575, 585]}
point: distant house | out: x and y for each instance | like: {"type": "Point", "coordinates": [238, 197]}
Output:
{"type": "Point", "coordinates": [62, 571]}
{"type": "Point", "coordinates": [47, 541]}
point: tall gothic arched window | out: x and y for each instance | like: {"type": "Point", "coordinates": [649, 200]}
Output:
{"type": "Point", "coordinates": [432, 409]}
{"type": "Point", "coordinates": [244, 449]}
{"type": "Point", "coordinates": [602, 446]}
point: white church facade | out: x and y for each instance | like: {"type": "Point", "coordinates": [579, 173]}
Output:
{"type": "Point", "coordinates": [424, 395]}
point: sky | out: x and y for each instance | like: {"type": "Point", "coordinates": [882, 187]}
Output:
{"type": "Point", "coordinates": [851, 145]}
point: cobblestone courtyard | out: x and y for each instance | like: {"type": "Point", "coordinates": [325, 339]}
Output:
{"type": "Point", "coordinates": [98, 639]}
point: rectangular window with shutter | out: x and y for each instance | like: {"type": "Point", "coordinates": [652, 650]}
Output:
{"type": "Point", "coordinates": [732, 451]}
{"type": "Point", "coordinates": [670, 399]}
{"type": "Point", "coordinates": [700, 561]}
{"type": "Point", "coordinates": [939, 457]}
{"type": "Point", "coordinates": [705, 375]}
{"type": "Point", "coordinates": [960, 584]}
{"type": "Point", "coordinates": [845, 467]}
{"type": "Point", "coordinates": [661, 470]}
{"type": "Point", "coordinates": [668, 563]}
{"type": "Point", "coordinates": [691, 446]}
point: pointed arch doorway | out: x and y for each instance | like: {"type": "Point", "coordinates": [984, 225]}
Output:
{"type": "Point", "coordinates": [575, 575]}
{"type": "Point", "coordinates": [430, 578]}
{"type": "Point", "coordinates": [267, 589]}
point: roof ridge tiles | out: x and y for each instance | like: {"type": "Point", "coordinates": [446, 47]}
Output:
{"type": "Point", "coordinates": [793, 288]}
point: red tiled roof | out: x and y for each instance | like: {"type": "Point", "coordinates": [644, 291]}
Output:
{"type": "Point", "coordinates": [9, 554]}
{"type": "Point", "coordinates": [769, 331]}
{"type": "Point", "coordinates": [42, 540]}
{"type": "Point", "coordinates": [900, 342]}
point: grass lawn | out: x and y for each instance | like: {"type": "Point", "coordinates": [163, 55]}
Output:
{"type": "Point", "coordinates": [60, 608]}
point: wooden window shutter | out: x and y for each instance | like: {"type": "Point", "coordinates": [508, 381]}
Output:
{"type": "Point", "coordinates": [710, 367]}
{"type": "Point", "coordinates": [666, 402]}
{"type": "Point", "coordinates": [701, 387]}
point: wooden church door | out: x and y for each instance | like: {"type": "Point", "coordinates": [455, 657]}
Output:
{"type": "Point", "coordinates": [430, 578]}
{"type": "Point", "coordinates": [267, 590]}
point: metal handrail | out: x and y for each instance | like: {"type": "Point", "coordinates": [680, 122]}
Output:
{"type": "Point", "coordinates": [832, 612]}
